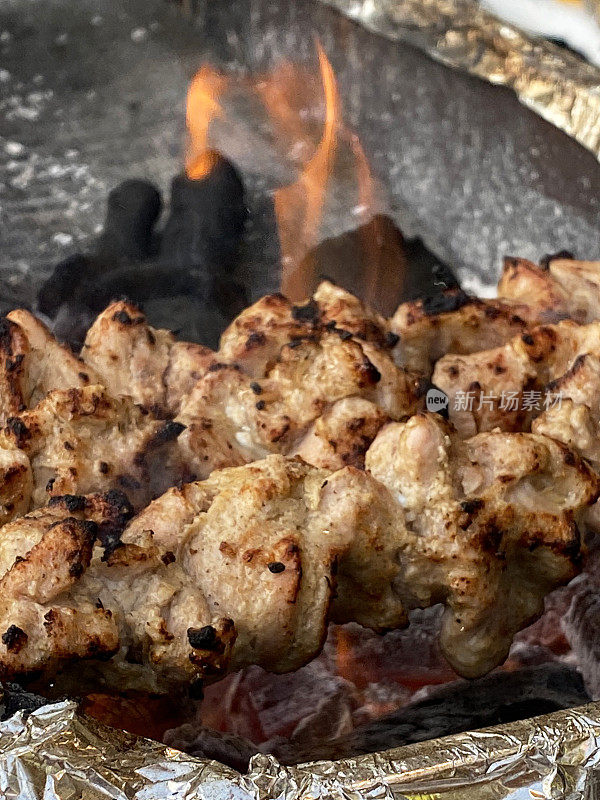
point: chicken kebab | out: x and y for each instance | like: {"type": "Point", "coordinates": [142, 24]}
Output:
{"type": "Point", "coordinates": [170, 513]}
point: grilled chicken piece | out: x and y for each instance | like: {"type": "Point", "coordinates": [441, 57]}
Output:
{"type": "Point", "coordinates": [575, 421]}
{"type": "Point", "coordinates": [16, 483]}
{"type": "Point", "coordinates": [454, 322]}
{"type": "Point", "coordinates": [564, 287]}
{"type": "Point", "coordinates": [279, 528]}
{"type": "Point", "coordinates": [84, 440]}
{"type": "Point", "coordinates": [342, 434]}
{"type": "Point", "coordinates": [252, 539]}
{"type": "Point", "coordinates": [155, 601]}
{"type": "Point", "coordinates": [134, 359]}
{"type": "Point", "coordinates": [313, 374]}
{"type": "Point", "coordinates": [495, 527]}
{"type": "Point", "coordinates": [497, 388]}
{"type": "Point", "coordinates": [71, 591]}
{"type": "Point", "coordinates": [105, 514]}
{"type": "Point", "coordinates": [231, 419]}
{"type": "Point", "coordinates": [256, 337]}
{"type": "Point", "coordinates": [33, 363]}
{"type": "Point", "coordinates": [351, 314]}
{"type": "Point", "coordinates": [489, 389]}
{"type": "Point", "coordinates": [239, 569]}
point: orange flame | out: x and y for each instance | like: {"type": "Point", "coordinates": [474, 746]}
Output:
{"type": "Point", "coordinates": [203, 105]}
{"type": "Point", "coordinates": [299, 207]}
{"type": "Point", "coordinates": [287, 94]}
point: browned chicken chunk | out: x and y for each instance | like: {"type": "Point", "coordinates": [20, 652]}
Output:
{"type": "Point", "coordinates": [231, 418]}
{"type": "Point", "coordinates": [72, 591]}
{"type": "Point", "coordinates": [509, 386]}
{"type": "Point", "coordinates": [454, 322]}
{"type": "Point", "coordinates": [495, 525]}
{"type": "Point", "coordinates": [561, 288]}
{"type": "Point", "coordinates": [284, 530]}
{"type": "Point", "coordinates": [33, 363]}
{"type": "Point", "coordinates": [147, 364]}
{"type": "Point", "coordinates": [342, 434]}
{"type": "Point", "coordinates": [237, 570]}
{"type": "Point", "coordinates": [84, 440]}
{"type": "Point", "coordinates": [256, 337]}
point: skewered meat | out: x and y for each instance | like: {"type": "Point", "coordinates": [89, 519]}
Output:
{"type": "Point", "coordinates": [83, 440]}
{"type": "Point", "coordinates": [280, 517]}
{"type": "Point", "coordinates": [528, 295]}
{"type": "Point", "coordinates": [149, 365]}
{"type": "Point", "coordinates": [564, 287]}
{"type": "Point", "coordinates": [33, 363]}
{"type": "Point", "coordinates": [231, 419]}
{"type": "Point", "coordinates": [576, 420]}
{"type": "Point", "coordinates": [454, 322]}
{"type": "Point", "coordinates": [68, 599]}
{"type": "Point", "coordinates": [495, 524]}
{"type": "Point", "coordinates": [342, 434]}
{"type": "Point", "coordinates": [495, 382]}
{"type": "Point", "coordinates": [248, 565]}
{"type": "Point", "coordinates": [16, 483]}
{"type": "Point", "coordinates": [258, 544]}
{"type": "Point", "coordinates": [463, 523]}
{"type": "Point", "coordinates": [256, 337]}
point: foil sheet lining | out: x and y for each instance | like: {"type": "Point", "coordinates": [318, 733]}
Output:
{"type": "Point", "coordinates": [56, 754]}
{"type": "Point", "coordinates": [555, 83]}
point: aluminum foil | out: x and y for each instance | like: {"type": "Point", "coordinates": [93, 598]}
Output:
{"type": "Point", "coordinates": [558, 85]}
{"type": "Point", "coordinates": [56, 754]}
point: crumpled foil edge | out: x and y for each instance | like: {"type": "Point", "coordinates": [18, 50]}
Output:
{"type": "Point", "coordinates": [56, 753]}
{"type": "Point", "coordinates": [558, 85]}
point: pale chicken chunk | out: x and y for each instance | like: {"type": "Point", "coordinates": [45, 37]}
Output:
{"type": "Point", "coordinates": [453, 322]}
{"type": "Point", "coordinates": [350, 314]}
{"type": "Point", "coordinates": [71, 591]}
{"type": "Point", "coordinates": [495, 524]}
{"type": "Point", "coordinates": [575, 418]}
{"type": "Point", "coordinates": [255, 338]}
{"type": "Point", "coordinates": [84, 440]}
{"type": "Point", "coordinates": [313, 374]}
{"type": "Point", "coordinates": [488, 389]}
{"type": "Point", "coordinates": [33, 363]}
{"type": "Point", "coordinates": [236, 570]}
{"type": "Point", "coordinates": [342, 434]}
{"type": "Point", "coordinates": [231, 419]}
{"type": "Point", "coordinates": [563, 287]}
{"type": "Point", "coordinates": [282, 530]}
{"type": "Point", "coordinates": [509, 386]}
{"type": "Point", "coordinates": [145, 363]}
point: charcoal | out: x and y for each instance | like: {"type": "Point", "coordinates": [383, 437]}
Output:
{"type": "Point", "coordinates": [234, 751]}
{"type": "Point", "coordinates": [14, 698]}
{"type": "Point", "coordinates": [206, 220]}
{"type": "Point", "coordinates": [460, 706]}
{"type": "Point", "coordinates": [426, 274]}
{"type": "Point", "coordinates": [375, 262]}
{"type": "Point", "coordinates": [71, 323]}
{"type": "Point", "coordinates": [61, 285]}
{"type": "Point", "coordinates": [132, 210]}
